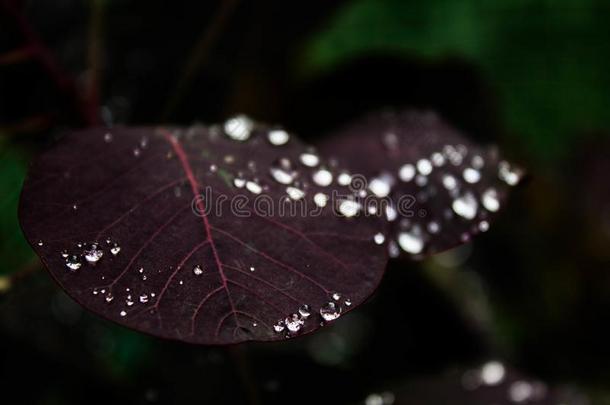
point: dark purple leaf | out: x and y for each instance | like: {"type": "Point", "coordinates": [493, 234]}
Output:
{"type": "Point", "coordinates": [142, 226]}
{"type": "Point", "coordinates": [443, 188]}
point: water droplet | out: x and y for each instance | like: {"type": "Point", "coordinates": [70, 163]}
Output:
{"type": "Point", "coordinates": [93, 254]}
{"type": "Point", "coordinates": [390, 213]}
{"type": "Point", "coordinates": [294, 323]}
{"type": "Point", "coordinates": [471, 175]}
{"type": "Point", "coordinates": [143, 298]}
{"type": "Point", "coordinates": [279, 327]}
{"type": "Point", "coordinates": [295, 193]}
{"type": "Point", "coordinates": [449, 182]}
{"type": "Point", "coordinates": [115, 250]}
{"type": "Point", "coordinates": [349, 208]}
{"type": "Point", "coordinates": [252, 269]}
{"type": "Point", "coordinates": [213, 168]}
{"type": "Point", "coordinates": [64, 254]}
{"type": "Point", "coordinates": [330, 311]}
{"type": "Point", "coordinates": [322, 177]}
{"type": "Point", "coordinates": [239, 182]}
{"type": "Point", "coordinates": [320, 199]}
{"type": "Point", "coordinates": [492, 373]}
{"type": "Point", "coordinates": [144, 142]}
{"type": "Point", "coordinates": [490, 200]}
{"type": "Point", "coordinates": [511, 176]}
{"type": "Point", "coordinates": [129, 301]}
{"type": "Point", "coordinates": [390, 140]}
{"type": "Point", "coordinates": [197, 270]}
{"type": "Point", "coordinates": [108, 137]}
{"type": "Point", "coordinates": [411, 242]}
{"type": "Point", "coordinates": [278, 137]}
{"type": "Point", "coordinates": [348, 302]}
{"type": "Point", "coordinates": [520, 391]}
{"type": "Point", "coordinates": [344, 179]}
{"type": "Point", "coordinates": [424, 167]}
{"type": "Point", "coordinates": [406, 172]}
{"type": "Point", "coordinates": [137, 152]}
{"type": "Point", "coordinates": [239, 128]}
{"type": "Point", "coordinates": [336, 296]}
{"type": "Point", "coordinates": [421, 180]}
{"type": "Point", "coordinates": [122, 313]}
{"type": "Point", "coordinates": [309, 159]}
{"type": "Point", "coordinates": [305, 311]}
{"type": "Point", "coordinates": [434, 227]}
{"type": "Point", "coordinates": [40, 243]}
{"type": "Point", "coordinates": [393, 249]}
{"type": "Point", "coordinates": [254, 187]}
{"type": "Point", "coordinates": [381, 186]}
{"type": "Point", "coordinates": [438, 159]}
{"type": "Point", "coordinates": [483, 226]}
{"type": "Point", "coordinates": [379, 238]}
{"type": "Point", "coordinates": [465, 206]}
{"type": "Point", "coordinates": [282, 172]}
{"type": "Point", "coordinates": [477, 162]}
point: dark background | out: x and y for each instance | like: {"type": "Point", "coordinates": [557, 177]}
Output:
{"type": "Point", "coordinates": [530, 76]}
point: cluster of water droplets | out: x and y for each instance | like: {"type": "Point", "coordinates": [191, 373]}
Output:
{"type": "Point", "coordinates": [329, 311]}
{"type": "Point", "coordinates": [90, 253]}
{"type": "Point", "coordinates": [459, 173]}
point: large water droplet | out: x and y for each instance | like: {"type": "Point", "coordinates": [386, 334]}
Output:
{"type": "Point", "coordinates": [322, 177]}
{"type": "Point", "coordinates": [93, 254]}
{"type": "Point", "coordinates": [465, 206]}
{"type": "Point", "coordinates": [411, 242]}
{"type": "Point", "coordinates": [294, 323]}
{"type": "Point", "coordinates": [330, 311]}
{"type": "Point", "coordinates": [278, 137]}
{"type": "Point", "coordinates": [239, 128]}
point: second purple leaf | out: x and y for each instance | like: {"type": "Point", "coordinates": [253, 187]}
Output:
{"type": "Point", "coordinates": [441, 189]}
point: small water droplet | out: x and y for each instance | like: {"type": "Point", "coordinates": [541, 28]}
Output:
{"type": "Point", "coordinates": [434, 227]}
{"type": "Point", "coordinates": [137, 152]}
{"type": "Point", "coordinates": [424, 166]}
{"type": "Point", "coordinates": [282, 172]}
{"type": "Point", "coordinates": [309, 159]}
{"type": "Point", "coordinates": [449, 182]}
{"type": "Point", "coordinates": [406, 172]}
{"type": "Point", "coordinates": [305, 311]}
{"type": "Point", "coordinates": [109, 298]}
{"type": "Point", "coordinates": [239, 182]}
{"type": "Point", "coordinates": [239, 128]}
{"type": "Point", "coordinates": [73, 263]}
{"type": "Point", "coordinates": [40, 243]}
{"type": "Point", "coordinates": [483, 226]}
{"type": "Point", "coordinates": [144, 142]}
{"type": "Point", "coordinates": [122, 313]}
{"type": "Point", "coordinates": [490, 200]}
{"type": "Point", "coordinates": [393, 249]}
{"type": "Point", "coordinates": [129, 301]}
{"type": "Point", "coordinates": [115, 250]}
{"type": "Point", "coordinates": [511, 176]}
{"type": "Point", "coordinates": [349, 208]}
{"type": "Point", "coordinates": [295, 193]}
{"type": "Point", "coordinates": [279, 327]}
{"type": "Point", "coordinates": [320, 199]}
{"type": "Point", "coordinates": [379, 238]}
{"type": "Point", "coordinates": [197, 270]}
{"type": "Point", "coordinates": [252, 269]}
{"type": "Point", "coordinates": [477, 162]}
{"type": "Point", "coordinates": [278, 137]}
{"type": "Point", "coordinates": [381, 186]}
{"type": "Point", "coordinates": [471, 175]}
{"type": "Point", "coordinates": [330, 311]}
{"type": "Point", "coordinates": [108, 137]}
{"type": "Point", "coordinates": [64, 254]}
{"type": "Point", "coordinates": [254, 187]}
{"type": "Point", "coordinates": [411, 242]}
{"type": "Point", "coordinates": [322, 177]}
{"type": "Point", "coordinates": [143, 298]}
{"type": "Point", "coordinates": [437, 159]}
{"type": "Point", "coordinates": [465, 206]}
{"type": "Point", "coordinates": [344, 179]}
{"type": "Point", "coordinates": [336, 296]}
{"type": "Point", "coordinates": [348, 302]}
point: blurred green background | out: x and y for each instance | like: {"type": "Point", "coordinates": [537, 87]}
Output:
{"type": "Point", "coordinates": [529, 76]}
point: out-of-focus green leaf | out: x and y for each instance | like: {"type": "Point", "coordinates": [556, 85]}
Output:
{"type": "Point", "coordinates": [14, 250]}
{"type": "Point", "coordinates": [547, 59]}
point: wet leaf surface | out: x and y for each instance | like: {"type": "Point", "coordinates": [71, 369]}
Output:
{"type": "Point", "coordinates": [442, 188]}
{"type": "Point", "coordinates": [143, 226]}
